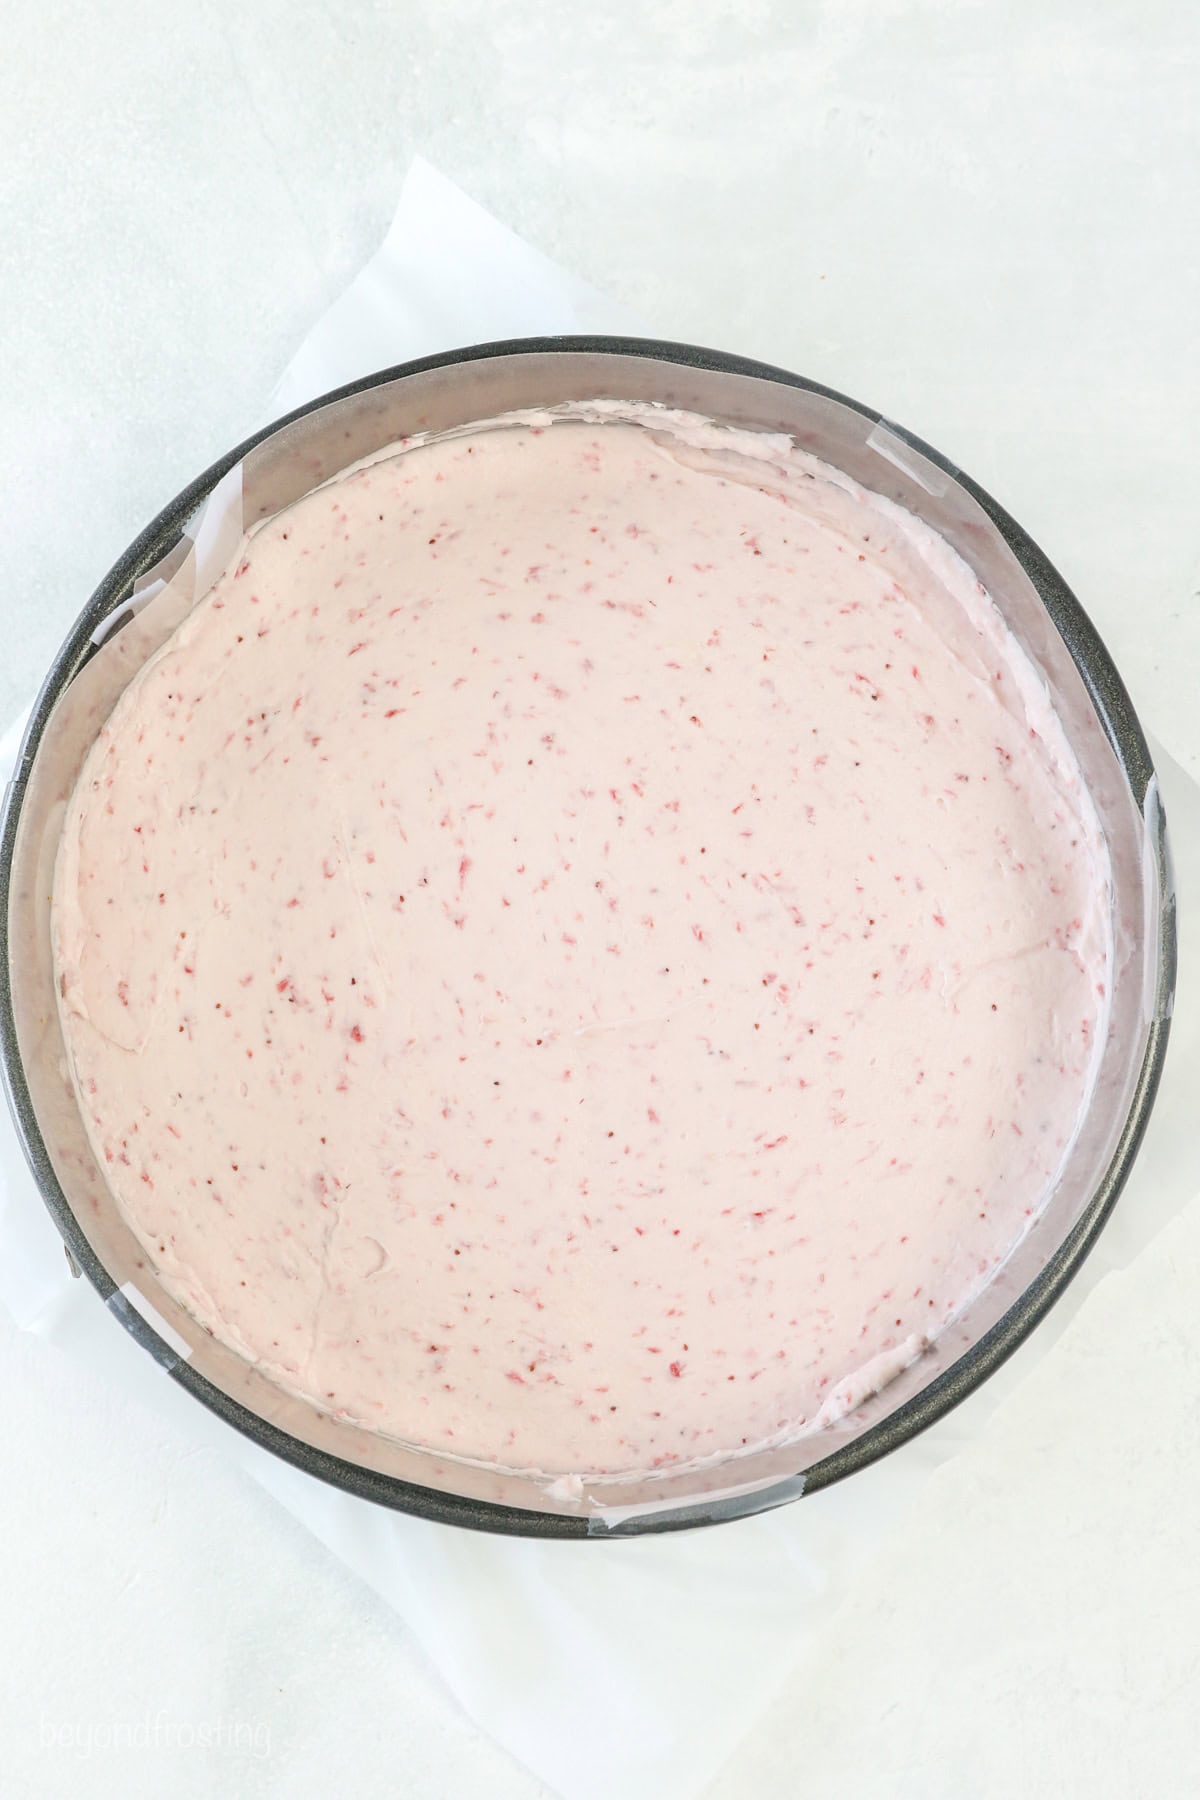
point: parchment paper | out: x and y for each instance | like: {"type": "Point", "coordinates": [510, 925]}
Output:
{"type": "Point", "coordinates": [621, 1670]}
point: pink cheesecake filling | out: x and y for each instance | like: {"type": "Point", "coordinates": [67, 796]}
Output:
{"type": "Point", "coordinates": [587, 948]}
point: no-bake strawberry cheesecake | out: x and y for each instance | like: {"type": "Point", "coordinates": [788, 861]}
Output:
{"type": "Point", "coordinates": [589, 945]}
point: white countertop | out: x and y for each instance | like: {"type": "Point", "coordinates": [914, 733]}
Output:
{"type": "Point", "coordinates": [983, 220]}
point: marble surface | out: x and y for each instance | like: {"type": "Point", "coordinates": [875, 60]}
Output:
{"type": "Point", "coordinates": [982, 219]}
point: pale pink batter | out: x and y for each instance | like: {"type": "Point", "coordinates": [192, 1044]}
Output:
{"type": "Point", "coordinates": [587, 947]}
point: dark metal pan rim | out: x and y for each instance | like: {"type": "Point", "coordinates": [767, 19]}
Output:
{"type": "Point", "coordinates": [973, 1367]}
